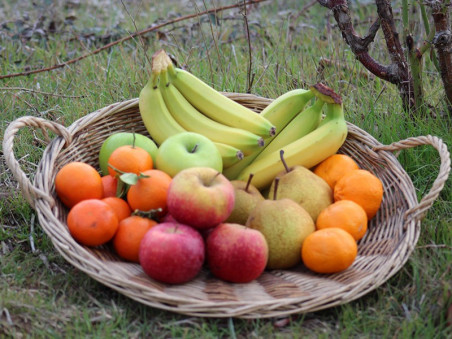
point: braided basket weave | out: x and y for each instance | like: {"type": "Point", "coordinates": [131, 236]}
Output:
{"type": "Point", "coordinates": [386, 247]}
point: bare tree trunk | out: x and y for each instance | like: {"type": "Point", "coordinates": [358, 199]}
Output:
{"type": "Point", "coordinates": [398, 71]}
{"type": "Point", "coordinates": [443, 42]}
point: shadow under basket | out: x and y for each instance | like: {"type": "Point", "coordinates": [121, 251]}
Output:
{"type": "Point", "coordinates": [391, 237]}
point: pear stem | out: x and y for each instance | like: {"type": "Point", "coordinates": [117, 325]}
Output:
{"type": "Point", "coordinates": [194, 149]}
{"type": "Point", "coordinates": [249, 182]}
{"type": "Point", "coordinates": [275, 190]}
{"type": "Point", "coordinates": [281, 154]}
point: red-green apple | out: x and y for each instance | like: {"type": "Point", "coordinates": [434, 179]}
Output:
{"type": "Point", "coordinates": [172, 253]}
{"type": "Point", "coordinates": [185, 150]}
{"type": "Point", "coordinates": [200, 197]}
{"type": "Point", "coordinates": [121, 139]}
{"type": "Point", "coordinates": [236, 253]}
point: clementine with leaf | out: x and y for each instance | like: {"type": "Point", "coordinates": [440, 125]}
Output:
{"type": "Point", "coordinates": [129, 159]}
{"type": "Point", "coordinates": [150, 191]}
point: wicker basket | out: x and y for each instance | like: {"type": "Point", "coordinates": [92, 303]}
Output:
{"type": "Point", "coordinates": [386, 247]}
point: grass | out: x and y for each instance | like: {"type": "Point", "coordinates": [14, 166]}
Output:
{"type": "Point", "coordinates": [41, 295]}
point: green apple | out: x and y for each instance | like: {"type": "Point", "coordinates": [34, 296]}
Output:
{"type": "Point", "coordinates": [186, 150]}
{"type": "Point", "coordinates": [124, 138]}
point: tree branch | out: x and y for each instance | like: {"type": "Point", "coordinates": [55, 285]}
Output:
{"type": "Point", "coordinates": [398, 71]}
{"type": "Point", "coordinates": [358, 45]}
{"type": "Point", "coordinates": [443, 42]}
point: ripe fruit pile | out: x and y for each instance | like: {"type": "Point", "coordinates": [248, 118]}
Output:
{"type": "Point", "coordinates": [221, 186]}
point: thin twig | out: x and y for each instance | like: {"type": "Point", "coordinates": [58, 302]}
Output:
{"type": "Point", "coordinates": [40, 92]}
{"type": "Point", "coordinates": [131, 36]}
{"type": "Point", "coordinates": [249, 78]}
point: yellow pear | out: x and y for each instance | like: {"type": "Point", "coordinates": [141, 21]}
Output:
{"type": "Point", "coordinates": [303, 186]}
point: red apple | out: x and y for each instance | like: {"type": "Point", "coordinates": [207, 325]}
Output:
{"type": "Point", "coordinates": [236, 253]}
{"type": "Point", "coordinates": [200, 197]}
{"type": "Point", "coordinates": [172, 253]}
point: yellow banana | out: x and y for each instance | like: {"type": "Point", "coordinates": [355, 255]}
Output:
{"type": "Point", "coordinates": [217, 106]}
{"type": "Point", "coordinates": [307, 151]}
{"type": "Point", "coordinates": [285, 107]}
{"type": "Point", "coordinates": [193, 120]}
{"type": "Point", "coordinates": [229, 154]}
{"type": "Point", "coordinates": [304, 123]}
{"type": "Point", "coordinates": [280, 112]}
{"type": "Point", "coordinates": [154, 113]}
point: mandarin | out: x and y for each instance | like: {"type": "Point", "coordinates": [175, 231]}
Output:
{"type": "Point", "coordinates": [362, 187]}
{"type": "Point", "coordinates": [150, 191]}
{"type": "Point", "coordinates": [329, 250]}
{"type": "Point", "coordinates": [127, 239]}
{"type": "Point", "coordinates": [110, 185]}
{"type": "Point", "coordinates": [120, 206]}
{"type": "Point", "coordinates": [92, 222]}
{"type": "Point", "coordinates": [345, 214]}
{"type": "Point", "coordinates": [77, 181]}
{"type": "Point", "coordinates": [334, 167]}
{"type": "Point", "coordinates": [129, 159]}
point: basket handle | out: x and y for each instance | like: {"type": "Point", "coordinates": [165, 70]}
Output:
{"type": "Point", "coordinates": [30, 192]}
{"type": "Point", "coordinates": [427, 201]}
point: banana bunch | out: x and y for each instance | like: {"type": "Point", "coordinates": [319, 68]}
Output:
{"type": "Point", "coordinates": [174, 101]}
{"type": "Point", "coordinates": [306, 140]}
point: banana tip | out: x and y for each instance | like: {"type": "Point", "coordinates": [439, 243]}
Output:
{"type": "Point", "coordinates": [240, 155]}
{"type": "Point", "coordinates": [272, 131]}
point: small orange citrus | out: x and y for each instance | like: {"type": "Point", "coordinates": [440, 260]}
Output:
{"type": "Point", "coordinates": [129, 159]}
{"type": "Point", "coordinates": [110, 184]}
{"type": "Point", "coordinates": [77, 181]}
{"type": "Point", "coordinates": [92, 222]}
{"type": "Point", "coordinates": [334, 167]}
{"type": "Point", "coordinates": [345, 214]}
{"type": "Point", "coordinates": [362, 187]}
{"type": "Point", "coordinates": [150, 192]}
{"type": "Point", "coordinates": [329, 250]}
{"type": "Point", "coordinates": [128, 237]}
{"type": "Point", "coordinates": [120, 206]}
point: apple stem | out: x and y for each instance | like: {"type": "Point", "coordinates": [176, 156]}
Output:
{"type": "Point", "coordinates": [214, 177]}
{"type": "Point", "coordinates": [275, 190]}
{"type": "Point", "coordinates": [281, 154]}
{"type": "Point", "coordinates": [133, 140]}
{"type": "Point", "coordinates": [194, 149]}
{"type": "Point", "coordinates": [248, 183]}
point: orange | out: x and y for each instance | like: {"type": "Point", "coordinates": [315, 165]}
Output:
{"type": "Point", "coordinates": [362, 187]}
{"type": "Point", "coordinates": [329, 250]}
{"type": "Point", "coordinates": [334, 167]}
{"type": "Point", "coordinates": [110, 184]}
{"type": "Point", "coordinates": [345, 214]}
{"type": "Point", "coordinates": [92, 222]}
{"type": "Point", "coordinates": [129, 159]}
{"type": "Point", "coordinates": [77, 181]}
{"type": "Point", "coordinates": [120, 206]}
{"type": "Point", "coordinates": [128, 237]}
{"type": "Point", "coordinates": [150, 192]}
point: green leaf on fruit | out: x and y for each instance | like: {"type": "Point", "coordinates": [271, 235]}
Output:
{"type": "Point", "coordinates": [129, 178]}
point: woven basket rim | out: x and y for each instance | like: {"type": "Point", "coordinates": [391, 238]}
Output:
{"type": "Point", "coordinates": [170, 298]}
